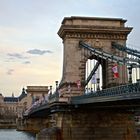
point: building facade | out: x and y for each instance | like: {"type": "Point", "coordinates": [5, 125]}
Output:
{"type": "Point", "coordinates": [12, 108]}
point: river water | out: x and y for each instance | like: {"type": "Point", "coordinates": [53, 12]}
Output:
{"type": "Point", "coordinates": [12, 134]}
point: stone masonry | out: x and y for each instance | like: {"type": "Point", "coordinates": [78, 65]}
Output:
{"type": "Point", "coordinates": [99, 33]}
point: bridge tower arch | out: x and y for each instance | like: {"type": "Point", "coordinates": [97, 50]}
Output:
{"type": "Point", "coordinates": [98, 33]}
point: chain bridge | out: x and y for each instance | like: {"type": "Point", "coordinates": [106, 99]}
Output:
{"type": "Point", "coordinates": [99, 93]}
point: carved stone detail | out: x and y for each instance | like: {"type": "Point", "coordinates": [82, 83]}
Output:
{"type": "Point", "coordinates": [96, 36]}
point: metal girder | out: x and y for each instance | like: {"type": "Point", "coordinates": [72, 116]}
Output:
{"type": "Point", "coordinates": [113, 58]}
{"type": "Point", "coordinates": [92, 72]}
{"type": "Point", "coordinates": [126, 49]}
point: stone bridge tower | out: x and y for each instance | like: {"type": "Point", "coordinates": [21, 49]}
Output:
{"type": "Point", "coordinates": [99, 33]}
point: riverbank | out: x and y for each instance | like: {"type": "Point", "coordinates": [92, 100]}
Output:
{"type": "Point", "coordinates": [8, 124]}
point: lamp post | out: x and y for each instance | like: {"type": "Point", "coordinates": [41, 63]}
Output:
{"type": "Point", "coordinates": [56, 82]}
{"type": "Point", "coordinates": [98, 82]}
{"type": "Point", "coordinates": [130, 74]}
{"type": "Point", "coordinates": [50, 90]}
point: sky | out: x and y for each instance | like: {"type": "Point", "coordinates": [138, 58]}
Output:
{"type": "Point", "coordinates": [31, 52]}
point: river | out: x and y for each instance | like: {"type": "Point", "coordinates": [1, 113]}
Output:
{"type": "Point", "coordinates": [12, 134]}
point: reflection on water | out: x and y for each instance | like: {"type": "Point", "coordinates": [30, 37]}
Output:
{"type": "Point", "coordinates": [12, 134]}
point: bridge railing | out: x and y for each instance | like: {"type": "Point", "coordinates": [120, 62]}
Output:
{"type": "Point", "coordinates": [51, 98]}
{"type": "Point", "coordinates": [114, 91]}
{"type": "Point", "coordinates": [129, 89]}
{"type": "Point", "coordinates": [54, 97]}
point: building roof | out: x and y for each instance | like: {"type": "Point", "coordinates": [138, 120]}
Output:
{"type": "Point", "coordinates": [15, 99]}
{"type": "Point", "coordinates": [10, 99]}
{"type": "Point", "coordinates": [23, 94]}
{"type": "Point", "coordinates": [93, 18]}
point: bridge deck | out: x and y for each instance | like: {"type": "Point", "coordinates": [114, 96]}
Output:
{"type": "Point", "coordinates": [121, 96]}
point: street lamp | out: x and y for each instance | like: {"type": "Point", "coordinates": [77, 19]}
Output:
{"type": "Point", "coordinates": [56, 82]}
{"type": "Point", "coordinates": [50, 90]}
{"type": "Point", "coordinates": [98, 84]}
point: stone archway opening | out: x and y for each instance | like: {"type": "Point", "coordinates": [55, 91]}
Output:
{"type": "Point", "coordinates": [95, 80]}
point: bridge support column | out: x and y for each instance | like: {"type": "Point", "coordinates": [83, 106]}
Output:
{"type": "Point", "coordinates": [49, 134]}
{"type": "Point", "coordinates": [73, 71]}
{"type": "Point", "coordinates": [89, 124]}
{"type": "Point", "coordinates": [98, 125]}
{"type": "Point", "coordinates": [33, 125]}
{"type": "Point", "coordinates": [98, 33]}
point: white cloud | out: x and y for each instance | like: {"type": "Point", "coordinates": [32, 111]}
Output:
{"type": "Point", "coordinates": [17, 55]}
{"type": "Point", "coordinates": [26, 62]}
{"type": "Point", "coordinates": [10, 71]}
{"type": "Point", "coordinates": [38, 52]}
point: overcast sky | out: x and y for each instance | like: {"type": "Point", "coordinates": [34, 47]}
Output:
{"type": "Point", "coordinates": [30, 49]}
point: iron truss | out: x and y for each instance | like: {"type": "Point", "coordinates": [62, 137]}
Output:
{"type": "Point", "coordinates": [133, 52]}
{"type": "Point", "coordinates": [133, 62]}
